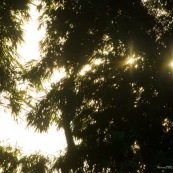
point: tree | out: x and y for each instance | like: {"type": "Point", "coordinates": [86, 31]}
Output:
{"type": "Point", "coordinates": [12, 160]}
{"type": "Point", "coordinates": [112, 100]}
{"type": "Point", "coordinates": [12, 15]}
{"type": "Point", "coordinates": [117, 109]}
{"type": "Point", "coordinates": [115, 102]}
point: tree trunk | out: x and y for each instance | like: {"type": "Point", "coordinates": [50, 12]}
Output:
{"type": "Point", "coordinates": [68, 133]}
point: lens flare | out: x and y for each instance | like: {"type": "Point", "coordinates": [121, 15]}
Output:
{"type": "Point", "coordinates": [171, 64]}
{"type": "Point", "coordinates": [130, 61]}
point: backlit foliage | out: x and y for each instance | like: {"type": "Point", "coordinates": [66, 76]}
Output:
{"type": "Point", "coordinates": [111, 99]}
{"type": "Point", "coordinates": [12, 16]}
{"type": "Point", "coordinates": [114, 103]}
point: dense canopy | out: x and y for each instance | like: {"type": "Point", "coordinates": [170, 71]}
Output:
{"type": "Point", "coordinates": [115, 102]}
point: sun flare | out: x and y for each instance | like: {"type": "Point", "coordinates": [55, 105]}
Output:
{"type": "Point", "coordinates": [171, 64]}
{"type": "Point", "coordinates": [130, 61]}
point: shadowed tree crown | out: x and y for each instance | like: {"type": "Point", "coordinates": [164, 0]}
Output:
{"type": "Point", "coordinates": [114, 103]}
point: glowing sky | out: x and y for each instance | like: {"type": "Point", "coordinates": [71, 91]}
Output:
{"type": "Point", "coordinates": [17, 134]}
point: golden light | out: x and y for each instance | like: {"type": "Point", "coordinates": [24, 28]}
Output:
{"type": "Point", "coordinates": [134, 60]}
{"type": "Point", "coordinates": [167, 124]}
{"type": "Point", "coordinates": [135, 147]}
{"type": "Point", "coordinates": [98, 61]}
{"type": "Point", "coordinates": [56, 76]}
{"type": "Point", "coordinates": [85, 69]}
{"type": "Point", "coordinates": [136, 66]}
{"type": "Point", "coordinates": [171, 64]}
{"type": "Point", "coordinates": [130, 61]}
